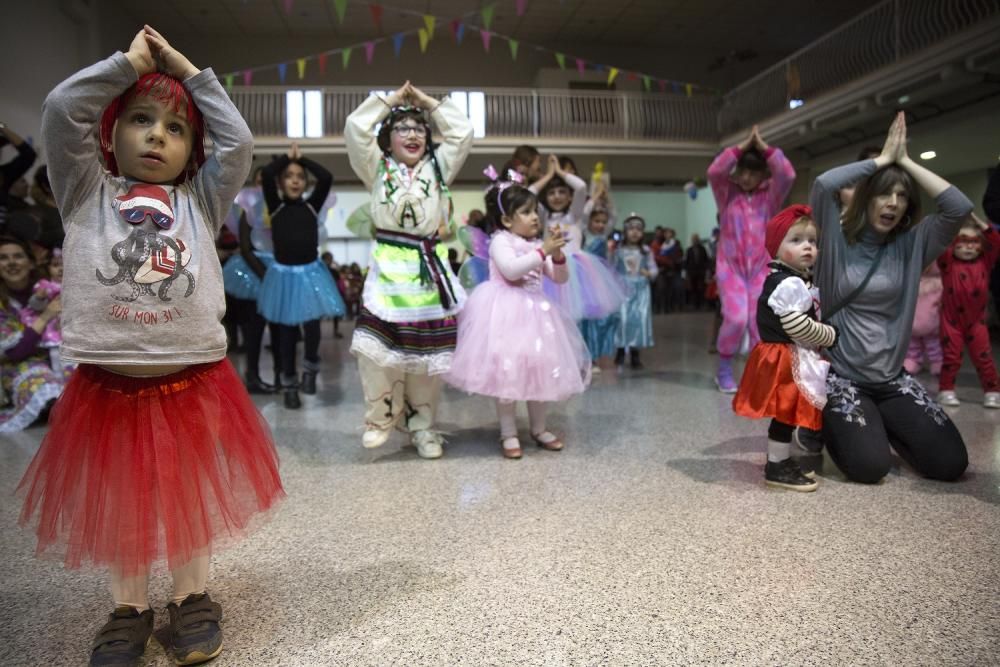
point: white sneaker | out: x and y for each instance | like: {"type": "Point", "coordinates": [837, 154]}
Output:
{"type": "Point", "coordinates": [428, 444]}
{"type": "Point", "coordinates": [595, 370]}
{"type": "Point", "coordinates": [374, 437]}
{"type": "Point", "coordinates": [991, 399]}
{"type": "Point", "coordinates": [948, 398]}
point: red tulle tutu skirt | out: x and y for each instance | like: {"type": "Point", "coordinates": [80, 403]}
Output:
{"type": "Point", "coordinates": [139, 470]}
{"type": "Point", "coordinates": [768, 389]}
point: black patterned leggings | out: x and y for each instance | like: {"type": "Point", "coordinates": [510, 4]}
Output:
{"type": "Point", "coordinates": [861, 422]}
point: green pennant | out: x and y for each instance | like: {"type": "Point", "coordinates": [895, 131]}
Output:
{"type": "Point", "coordinates": [345, 56]}
{"type": "Point", "coordinates": [341, 7]}
{"type": "Point", "coordinates": [487, 14]}
{"type": "Point", "coordinates": [513, 48]}
{"type": "Point", "coordinates": [229, 83]}
{"type": "Point", "coordinates": [646, 83]}
{"type": "Point", "coordinates": [561, 59]}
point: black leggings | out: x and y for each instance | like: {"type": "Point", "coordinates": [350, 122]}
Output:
{"type": "Point", "coordinates": [288, 337]}
{"type": "Point", "coordinates": [860, 422]}
{"type": "Point", "coordinates": [244, 314]}
{"type": "Point", "coordinates": [780, 431]}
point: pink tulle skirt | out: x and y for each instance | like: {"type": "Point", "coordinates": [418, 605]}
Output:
{"type": "Point", "coordinates": [515, 344]}
{"type": "Point", "coordinates": [594, 289]}
{"type": "Point", "coordinates": [138, 470]}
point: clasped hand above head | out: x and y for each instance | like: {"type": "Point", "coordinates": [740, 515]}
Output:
{"type": "Point", "coordinates": [754, 141]}
{"type": "Point", "coordinates": [150, 52]}
{"type": "Point", "coordinates": [408, 94]}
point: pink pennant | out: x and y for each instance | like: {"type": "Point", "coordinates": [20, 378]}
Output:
{"type": "Point", "coordinates": [581, 64]}
{"type": "Point", "coordinates": [247, 77]}
{"type": "Point", "coordinates": [486, 35]}
{"type": "Point", "coordinates": [369, 52]}
{"type": "Point", "coordinates": [520, 5]}
{"type": "Point", "coordinates": [288, 6]}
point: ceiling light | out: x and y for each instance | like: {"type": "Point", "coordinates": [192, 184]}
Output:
{"type": "Point", "coordinates": [903, 99]}
{"type": "Point", "coordinates": [928, 155]}
{"type": "Point", "coordinates": [795, 104]}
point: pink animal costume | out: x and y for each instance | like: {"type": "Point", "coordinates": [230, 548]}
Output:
{"type": "Point", "coordinates": [741, 263]}
{"type": "Point", "coordinates": [963, 312]}
{"type": "Point", "coordinates": [925, 342]}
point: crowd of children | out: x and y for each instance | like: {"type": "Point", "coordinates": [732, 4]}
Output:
{"type": "Point", "coordinates": [559, 287]}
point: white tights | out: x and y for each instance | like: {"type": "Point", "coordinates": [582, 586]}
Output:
{"type": "Point", "coordinates": [189, 578]}
{"type": "Point", "coordinates": [507, 411]}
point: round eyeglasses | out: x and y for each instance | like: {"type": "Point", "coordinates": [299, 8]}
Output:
{"type": "Point", "coordinates": [405, 130]}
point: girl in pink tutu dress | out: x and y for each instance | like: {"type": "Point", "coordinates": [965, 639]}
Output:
{"type": "Point", "coordinates": [514, 343]}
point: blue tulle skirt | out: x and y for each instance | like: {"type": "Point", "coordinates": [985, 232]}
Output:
{"type": "Point", "coordinates": [240, 280]}
{"type": "Point", "coordinates": [301, 293]}
{"type": "Point", "coordinates": [600, 335]}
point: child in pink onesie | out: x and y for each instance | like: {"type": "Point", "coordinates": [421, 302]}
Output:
{"type": "Point", "coordinates": [925, 342]}
{"type": "Point", "coordinates": [747, 197]}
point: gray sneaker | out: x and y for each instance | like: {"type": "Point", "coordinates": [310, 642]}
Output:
{"type": "Point", "coordinates": [195, 635]}
{"type": "Point", "coordinates": [428, 444]}
{"type": "Point", "coordinates": [123, 639]}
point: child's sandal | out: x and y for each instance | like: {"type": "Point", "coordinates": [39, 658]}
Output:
{"type": "Point", "coordinates": [553, 445]}
{"type": "Point", "coordinates": [511, 452]}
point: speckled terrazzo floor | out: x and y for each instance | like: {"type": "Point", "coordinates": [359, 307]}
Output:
{"type": "Point", "coordinates": [650, 540]}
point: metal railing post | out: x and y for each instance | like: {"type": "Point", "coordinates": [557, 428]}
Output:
{"type": "Point", "coordinates": [536, 123]}
{"type": "Point", "coordinates": [625, 116]}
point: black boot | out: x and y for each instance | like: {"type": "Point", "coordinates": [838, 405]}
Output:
{"type": "Point", "coordinates": [309, 382]}
{"type": "Point", "coordinates": [620, 357]}
{"type": "Point", "coordinates": [292, 400]}
{"type": "Point", "coordinates": [255, 385]}
{"type": "Point", "coordinates": [636, 364]}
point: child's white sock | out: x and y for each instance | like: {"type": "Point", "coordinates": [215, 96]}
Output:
{"type": "Point", "coordinates": [778, 451]}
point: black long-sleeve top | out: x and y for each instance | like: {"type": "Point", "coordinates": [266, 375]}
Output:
{"type": "Point", "coordinates": [13, 170]}
{"type": "Point", "coordinates": [293, 222]}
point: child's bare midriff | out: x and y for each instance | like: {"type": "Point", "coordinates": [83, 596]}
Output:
{"type": "Point", "coordinates": [145, 370]}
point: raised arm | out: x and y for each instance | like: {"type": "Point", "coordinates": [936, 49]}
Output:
{"type": "Point", "coordinates": [718, 175]}
{"type": "Point", "coordinates": [13, 170]}
{"type": "Point", "coordinates": [579, 201]}
{"type": "Point", "coordinates": [360, 139]}
{"type": "Point", "coordinates": [269, 182]}
{"type": "Point", "coordinates": [70, 115]}
{"type": "Point", "coordinates": [512, 266]}
{"type": "Point", "coordinates": [324, 179]}
{"type": "Point", "coordinates": [782, 177]}
{"type": "Point", "coordinates": [991, 198]}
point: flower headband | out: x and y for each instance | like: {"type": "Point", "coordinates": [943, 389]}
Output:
{"type": "Point", "coordinates": [513, 178]}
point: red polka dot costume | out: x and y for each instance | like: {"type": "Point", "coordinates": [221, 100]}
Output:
{"type": "Point", "coordinates": [963, 312]}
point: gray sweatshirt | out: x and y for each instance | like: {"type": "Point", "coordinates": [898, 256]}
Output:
{"type": "Point", "coordinates": [140, 293]}
{"type": "Point", "coordinates": [874, 328]}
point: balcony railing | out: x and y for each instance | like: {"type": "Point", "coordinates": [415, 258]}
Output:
{"type": "Point", "coordinates": [519, 112]}
{"type": "Point", "coordinates": [884, 35]}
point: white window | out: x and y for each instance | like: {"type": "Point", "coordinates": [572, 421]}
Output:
{"type": "Point", "coordinates": [304, 111]}
{"type": "Point", "coordinates": [473, 103]}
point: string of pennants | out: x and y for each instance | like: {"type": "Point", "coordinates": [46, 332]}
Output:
{"type": "Point", "coordinates": [458, 28]}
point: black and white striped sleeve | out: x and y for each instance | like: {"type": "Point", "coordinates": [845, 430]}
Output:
{"type": "Point", "coordinates": [791, 301]}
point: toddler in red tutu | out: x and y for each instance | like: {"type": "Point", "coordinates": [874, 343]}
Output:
{"type": "Point", "coordinates": [514, 343]}
{"type": "Point", "coordinates": [154, 451]}
{"type": "Point", "coordinates": [785, 378]}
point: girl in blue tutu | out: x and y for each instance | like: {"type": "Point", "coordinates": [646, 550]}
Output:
{"type": "Point", "coordinates": [297, 288]}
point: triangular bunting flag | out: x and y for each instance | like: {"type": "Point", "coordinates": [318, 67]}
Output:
{"type": "Point", "coordinates": [376, 10]}
{"type": "Point", "coordinates": [487, 14]}
{"type": "Point", "coordinates": [675, 86]}
{"type": "Point", "coordinates": [646, 82]}
{"type": "Point", "coordinates": [486, 35]}
{"type": "Point", "coordinates": [513, 48]}
{"type": "Point", "coordinates": [345, 56]}
{"type": "Point", "coordinates": [520, 6]}
{"type": "Point", "coordinates": [322, 63]}
{"type": "Point", "coordinates": [631, 76]}
{"type": "Point", "coordinates": [460, 33]}
{"type": "Point", "coordinates": [397, 42]}
{"type": "Point", "coordinates": [612, 74]}
{"type": "Point", "coordinates": [580, 65]}
{"type": "Point", "coordinates": [341, 8]}
{"type": "Point", "coordinates": [561, 59]}
{"type": "Point", "coordinates": [301, 62]}
{"type": "Point", "coordinates": [282, 70]}
{"type": "Point", "coordinates": [429, 23]}
{"type": "Point", "coordinates": [687, 89]}
{"type": "Point", "coordinates": [229, 83]}
{"type": "Point", "coordinates": [369, 52]}
{"type": "Point", "coordinates": [663, 85]}
{"type": "Point", "coordinates": [288, 6]}
{"type": "Point", "coordinates": [247, 76]}
{"type": "Point", "coordinates": [424, 38]}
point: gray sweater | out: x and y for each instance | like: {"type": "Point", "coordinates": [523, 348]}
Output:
{"type": "Point", "coordinates": [137, 293]}
{"type": "Point", "coordinates": [874, 329]}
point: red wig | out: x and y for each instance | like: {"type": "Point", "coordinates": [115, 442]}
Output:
{"type": "Point", "coordinates": [167, 90]}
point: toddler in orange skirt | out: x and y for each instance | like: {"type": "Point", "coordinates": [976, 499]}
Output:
{"type": "Point", "coordinates": [785, 378]}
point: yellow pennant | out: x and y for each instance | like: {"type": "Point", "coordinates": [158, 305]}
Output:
{"type": "Point", "coordinates": [612, 75]}
{"type": "Point", "coordinates": [301, 62]}
{"type": "Point", "coordinates": [424, 38]}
